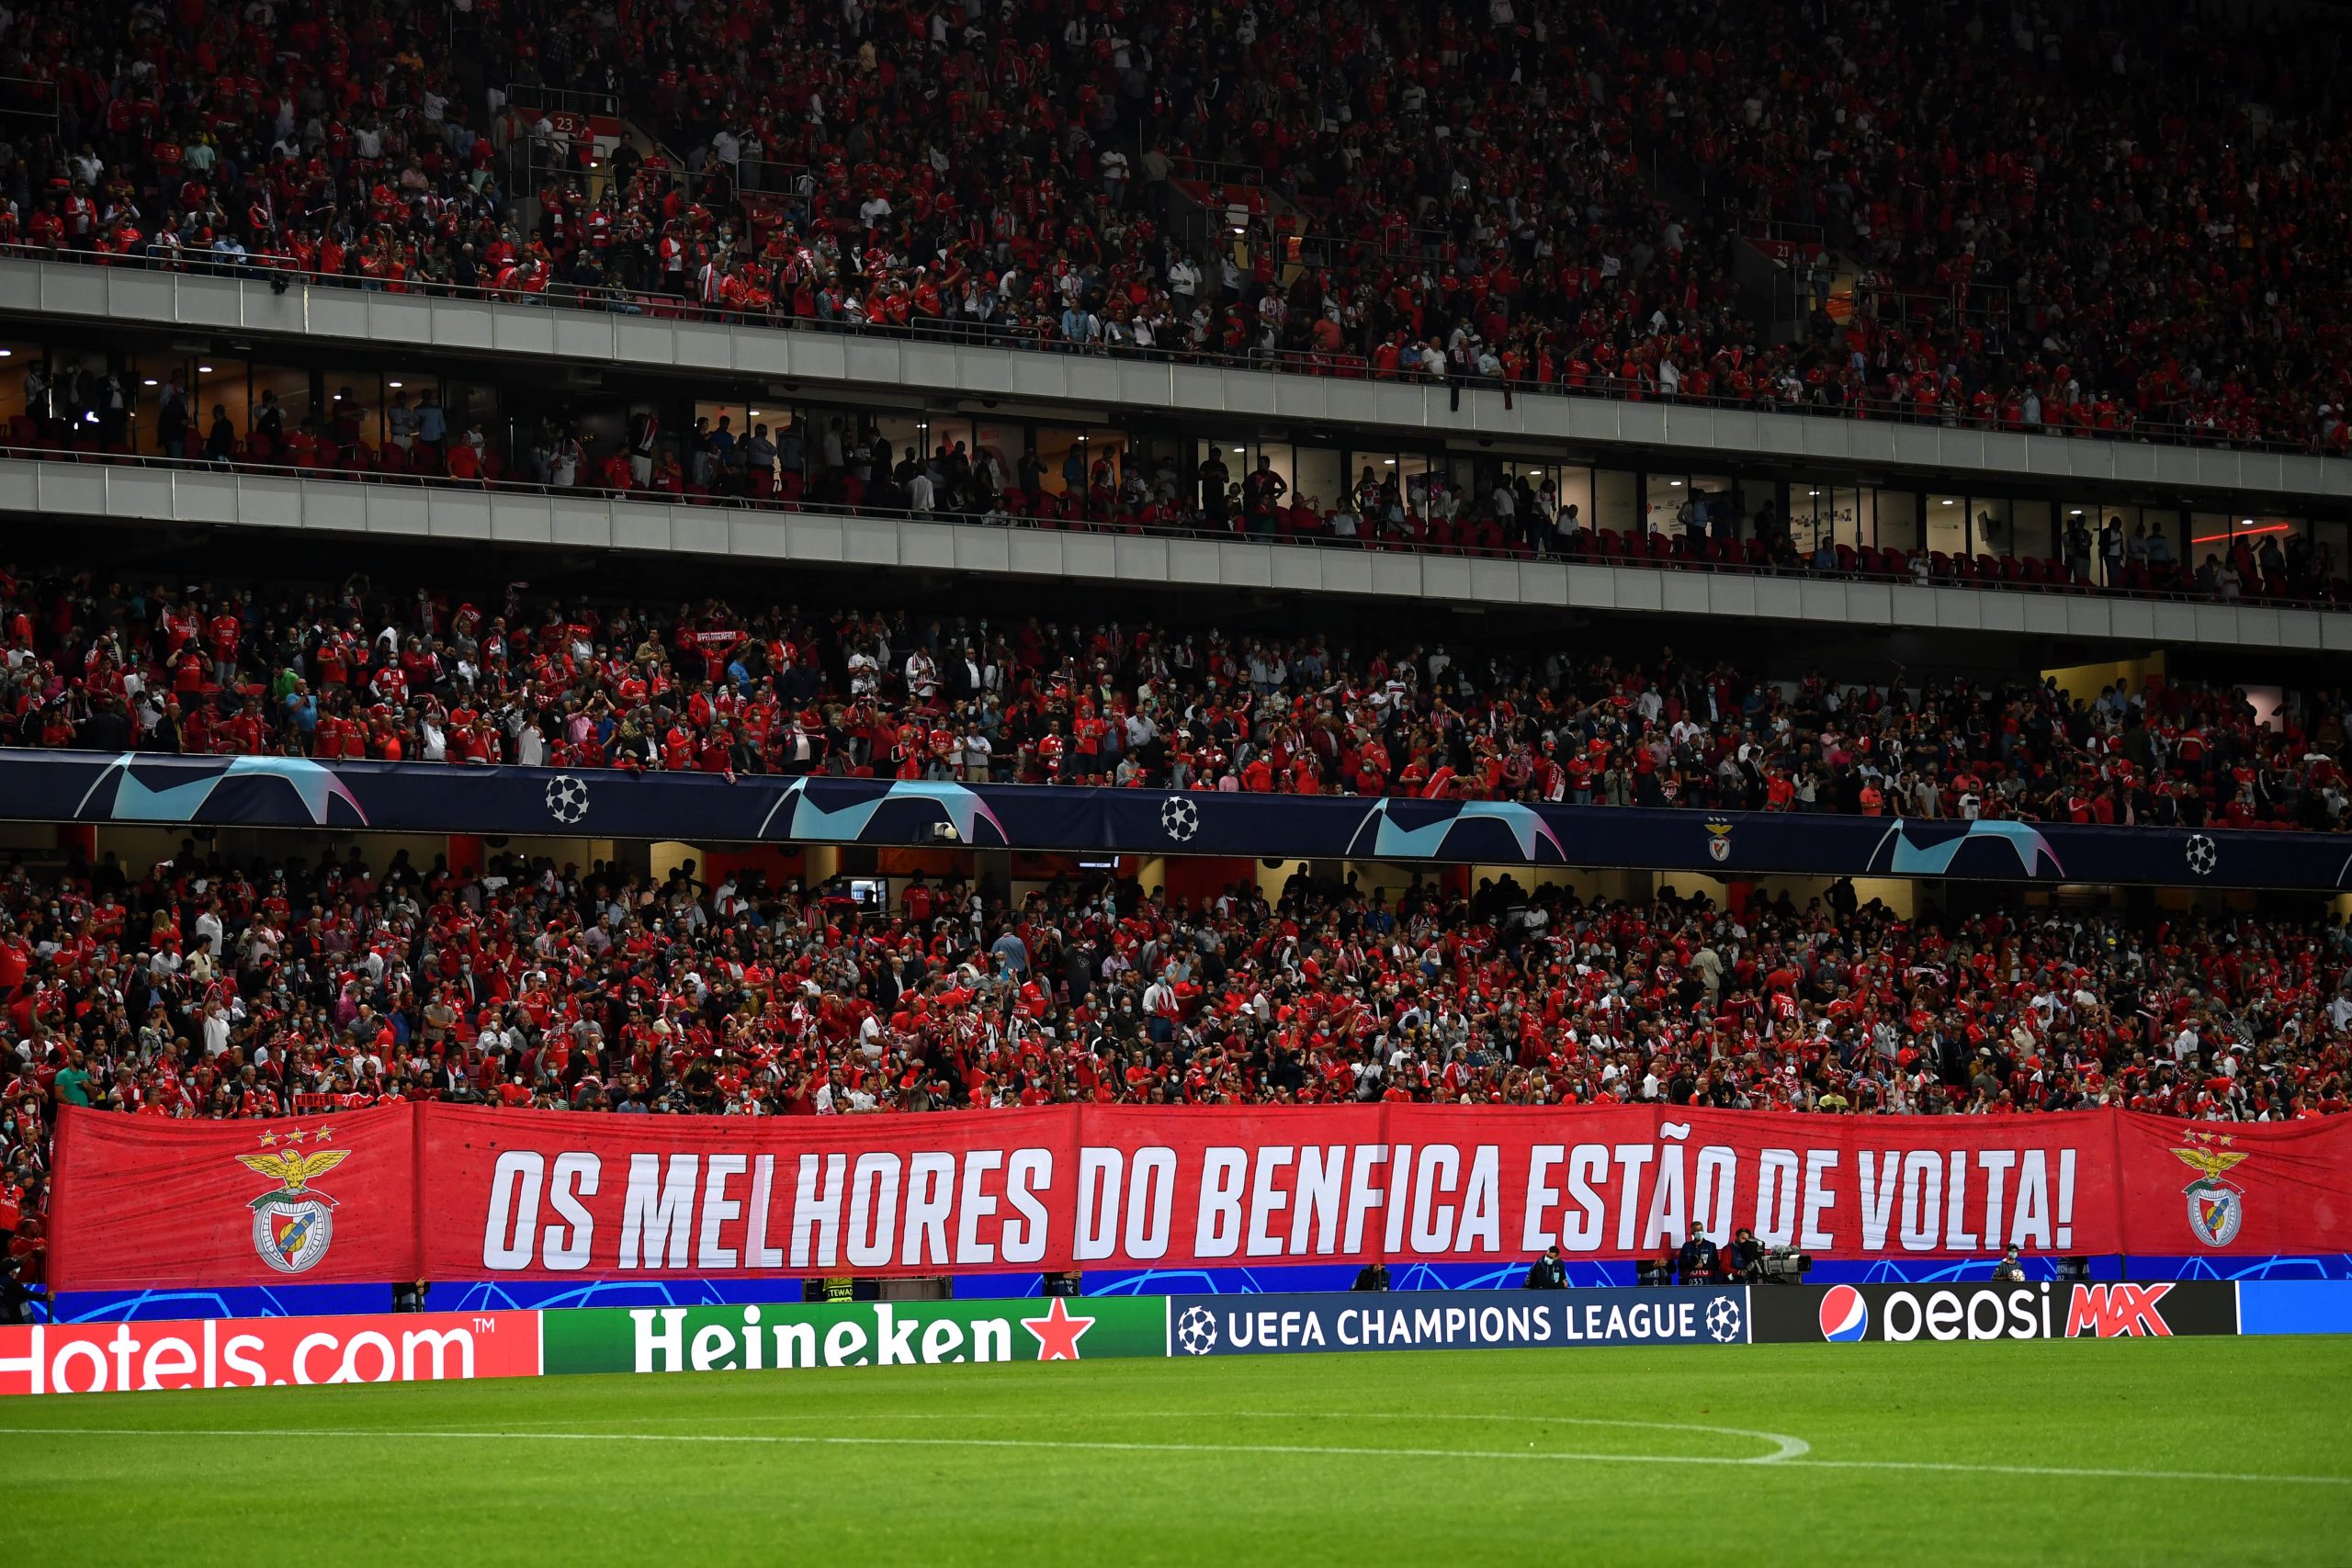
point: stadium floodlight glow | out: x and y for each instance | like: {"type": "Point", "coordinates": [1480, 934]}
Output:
{"type": "Point", "coordinates": [7, 353]}
{"type": "Point", "coordinates": [148, 382]}
{"type": "Point", "coordinates": [395, 386]}
{"type": "Point", "coordinates": [204, 370]}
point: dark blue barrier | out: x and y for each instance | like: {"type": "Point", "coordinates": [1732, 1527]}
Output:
{"type": "Point", "coordinates": [291, 791]}
{"type": "Point", "coordinates": [1454, 1320]}
{"type": "Point", "coordinates": [301, 1301]}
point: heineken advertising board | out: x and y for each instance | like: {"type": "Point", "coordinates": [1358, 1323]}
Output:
{"type": "Point", "coordinates": [851, 1333]}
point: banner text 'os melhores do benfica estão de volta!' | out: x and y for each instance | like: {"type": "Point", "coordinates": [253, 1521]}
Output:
{"type": "Point", "coordinates": [451, 1193]}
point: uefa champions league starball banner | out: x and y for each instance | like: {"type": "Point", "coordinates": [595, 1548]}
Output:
{"type": "Point", "coordinates": [424, 1192]}
{"type": "Point", "coordinates": [421, 797]}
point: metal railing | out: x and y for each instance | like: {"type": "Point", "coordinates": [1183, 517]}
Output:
{"type": "Point", "coordinates": [1633, 549]}
{"type": "Point", "coordinates": [280, 273]}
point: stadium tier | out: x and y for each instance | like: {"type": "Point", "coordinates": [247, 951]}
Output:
{"type": "Point", "coordinates": [491, 672]}
{"type": "Point", "coordinates": [1638, 203]}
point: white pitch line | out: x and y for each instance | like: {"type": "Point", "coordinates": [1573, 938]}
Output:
{"type": "Point", "coordinates": [1301, 1449]}
{"type": "Point", "coordinates": [1789, 1448]}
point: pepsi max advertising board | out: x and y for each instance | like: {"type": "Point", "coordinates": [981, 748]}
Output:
{"type": "Point", "coordinates": [1454, 1320]}
{"type": "Point", "coordinates": [1808, 1315]}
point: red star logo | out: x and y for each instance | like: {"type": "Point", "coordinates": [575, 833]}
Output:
{"type": "Point", "coordinates": [1057, 1333]}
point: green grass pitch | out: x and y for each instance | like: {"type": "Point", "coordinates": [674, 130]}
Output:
{"type": "Point", "coordinates": [2199, 1451]}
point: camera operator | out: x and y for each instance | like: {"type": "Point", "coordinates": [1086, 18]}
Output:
{"type": "Point", "coordinates": [1698, 1262]}
{"type": "Point", "coordinates": [1745, 1261]}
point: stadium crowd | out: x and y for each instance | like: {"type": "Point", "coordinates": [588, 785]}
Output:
{"type": "Point", "coordinates": [1545, 196]}
{"type": "Point", "coordinates": [197, 988]}
{"type": "Point", "coordinates": [353, 672]}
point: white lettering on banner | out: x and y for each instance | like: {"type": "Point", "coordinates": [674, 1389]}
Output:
{"type": "Point", "coordinates": [1217, 1231]}
{"type": "Point", "coordinates": [1994, 1164]}
{"type": "Point", "coordinates": [657, 1215]}
{"type": "Point", "coordinates": [231, 1357]}
{"type": "Point", "coordinates": [1031, 1172]}
{"type": "Point", "coordinates": [515, 1184]}
{"type": "Point", "coordinates": [1880, 1182]}
{"type": "Point", "coordinates": [1482, 1219]}
{"type": "Point", "coordinates": [1923, 1201]}
{"type": "Point", "coordinates": [1631, 1160]}
{"type": "Point", "coordinates": [1401, 1188]}
{"type": "Point", "coordinates": [440, 1343]}
{"type": "Point", "coordinates": [577, 1173]}
{"type": "Point", "coordinates": [1433, 1221]}
{"type": "Point", "coordinates": [1669, 1220]}
{"type": "Point", "coordinates": [2030, 1228]}
{"type": "Point", "coordinates": [1321, 1169]}
{"type": "Point", "coordinates": [817, 1213]}
{"type": "Point", "coordinates": [1266, 1200]}
{"type": "Point", "coordinates": [894, 1342]}
{"type": "Point", "coordinates": [1363, 1195]}
{"type": "Point", "coordinates": [2065, 1197]}
{"type": "Point", "coordinates": [1099, 1172]}
{"type": "Point", "coordinates": [1541, 1196]}
{"type": "Point", "coordinates": [1581, 1222]}
{"type": "Point", "coordinates": [1711, 1204]}
{"type": "Point", "coordinates": [717, 1209]}
{"type": "Point", "coordinates": [873, 1209]}
{"type": "Point", "coordinates": [976, 1204]}
{"type": "Point", "coordinates": [1958, 1238]}
{"type": "Point", "coordinates": [1818, 1199]}
{"type": "Point", "coordinates": [757, 1253]}
{"type": "Point", "coordinates": [795, 1345]}
{"type": "Point", "coordinates": [930, 1194]}
{"type": "Point", "coordinates": [1776, 1197]}
{"type": "Point", "coordinates": [1151, 1204]}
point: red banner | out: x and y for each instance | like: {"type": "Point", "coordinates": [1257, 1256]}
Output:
{"type": "Point", "coordinates": [141, 1203]}
{"type": "Point", "coordinates": [478, 1194]}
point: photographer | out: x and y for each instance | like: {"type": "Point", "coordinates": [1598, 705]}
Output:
{"type": "Point", "coordinates": [1372, 1276]}
{"type": "Point", "coordinates": [1744, 1260]}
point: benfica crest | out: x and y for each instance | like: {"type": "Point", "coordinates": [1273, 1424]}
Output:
{"type": "Point", "coordinates": [1719, 841]}
{"type": "Point", "coordinates": [2216, 1208]}
{"type": "Point", "coordinates": [293, 1224]}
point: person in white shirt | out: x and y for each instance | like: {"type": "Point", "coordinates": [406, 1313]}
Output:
{"type": "Point", "coordinates": [922, 677]}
